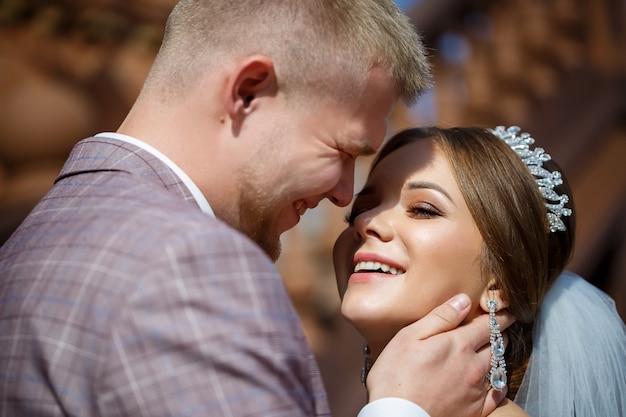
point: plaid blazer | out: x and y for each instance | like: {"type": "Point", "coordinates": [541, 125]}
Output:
{"type": "Point", "coordinates": [119, 297]}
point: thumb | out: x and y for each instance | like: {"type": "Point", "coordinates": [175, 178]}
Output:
{"type": "Point", "coordinates": [493, 400]}
{"type": "Point", "coordinates": [445, 317]}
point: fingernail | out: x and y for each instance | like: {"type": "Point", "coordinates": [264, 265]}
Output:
{"type": "Point", "coordinates": [459, 302]}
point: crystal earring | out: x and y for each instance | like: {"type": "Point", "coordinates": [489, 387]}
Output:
{"type": "Point", "coordinates": [497, 376]}
{"type": "Point", "coordinates": [367, 364]}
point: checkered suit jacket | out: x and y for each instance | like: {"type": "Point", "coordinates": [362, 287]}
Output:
{"type": "Point", "coordinates": [119, 297]}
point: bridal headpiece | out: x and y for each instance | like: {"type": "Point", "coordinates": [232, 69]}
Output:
{"type": "Point", "coordinates": [546, 180]}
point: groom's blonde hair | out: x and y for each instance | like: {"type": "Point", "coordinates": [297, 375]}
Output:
{"type": "Point", "coordinates": [319, 47]}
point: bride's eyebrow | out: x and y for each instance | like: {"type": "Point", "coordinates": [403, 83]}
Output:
{"type": "Point", "coordinates": [419, 185]}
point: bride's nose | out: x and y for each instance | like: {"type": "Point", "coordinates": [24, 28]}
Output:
{"type": "Point", "coordinates": [374, 223]}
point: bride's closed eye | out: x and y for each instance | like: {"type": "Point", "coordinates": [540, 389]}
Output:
{"type": "Point", "coordinates": [364, 201]}
{"type": "Point", "coordinates": [352, 215]}
{"type": "Point", "coordinates": [423, 210]}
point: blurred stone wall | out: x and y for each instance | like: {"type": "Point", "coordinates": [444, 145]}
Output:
{"type": "Point", "coordinates": [68, 69]}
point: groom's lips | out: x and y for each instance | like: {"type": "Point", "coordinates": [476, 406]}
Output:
{"type": "Point", "coordinates": [301, 207]}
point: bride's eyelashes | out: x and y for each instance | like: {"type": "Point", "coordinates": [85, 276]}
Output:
{"type": "Point", "coordinates": [419, 210]}
{"type": "Point", "coordinates": [352, 215]}
{"type": "Point", "coordinates": [423, 210]}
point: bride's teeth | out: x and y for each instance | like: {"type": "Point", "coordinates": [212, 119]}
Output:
{"type": "Point", "coordinates": [375, 266]}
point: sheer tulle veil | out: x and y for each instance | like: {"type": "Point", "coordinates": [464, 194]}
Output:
{"type": "Point", "coordinates": [578, 362]}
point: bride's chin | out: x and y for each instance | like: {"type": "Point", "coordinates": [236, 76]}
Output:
{"type": "Point", "coordinates": [376, 338]}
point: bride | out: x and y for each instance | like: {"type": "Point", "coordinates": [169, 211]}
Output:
{"type": "Point", "coordinates": [481, 212]}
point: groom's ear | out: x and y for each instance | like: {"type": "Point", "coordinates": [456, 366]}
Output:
{"type": "Point", "coordinates": [492, 292]}
{"type": "Point", "coordinates": [252, 79]}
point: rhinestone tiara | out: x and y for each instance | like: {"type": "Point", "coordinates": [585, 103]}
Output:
{"type": "Point", "coordinates": [546, 180]}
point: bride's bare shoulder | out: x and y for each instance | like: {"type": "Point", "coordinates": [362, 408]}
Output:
{"type": "Point", "coordinates": [508, 409]}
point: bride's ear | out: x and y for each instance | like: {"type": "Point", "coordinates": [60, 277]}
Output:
{"type": "Point", "coordinates": [492, 292]}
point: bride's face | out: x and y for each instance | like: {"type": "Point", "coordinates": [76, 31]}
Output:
{"type": "Point", "coordinates": [412, 244]}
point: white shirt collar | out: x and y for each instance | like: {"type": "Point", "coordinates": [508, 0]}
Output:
{"type": "Point", "coordinates": [193, 188]}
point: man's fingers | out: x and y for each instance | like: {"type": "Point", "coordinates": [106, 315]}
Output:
{"type": "Point", "coordinates": [505, 319]}
{"type": "Point", "coordinates": [476, 332]}
{"type": "Point", "coordinates": [443, 318]}
{"type": "Point", "coordinates": [436, 345]}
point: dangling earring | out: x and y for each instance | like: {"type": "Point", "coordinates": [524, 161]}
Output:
{"type": "Point", "coordinates": [497, 376]}
{"type": "Point", "coordinates": [367, 364]}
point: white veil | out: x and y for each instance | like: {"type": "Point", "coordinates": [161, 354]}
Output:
{"type": "Point", "coordinates": [578, 361]}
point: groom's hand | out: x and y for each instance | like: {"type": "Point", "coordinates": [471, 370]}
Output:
{"type": "Point", "coordinates": [439, 366]}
